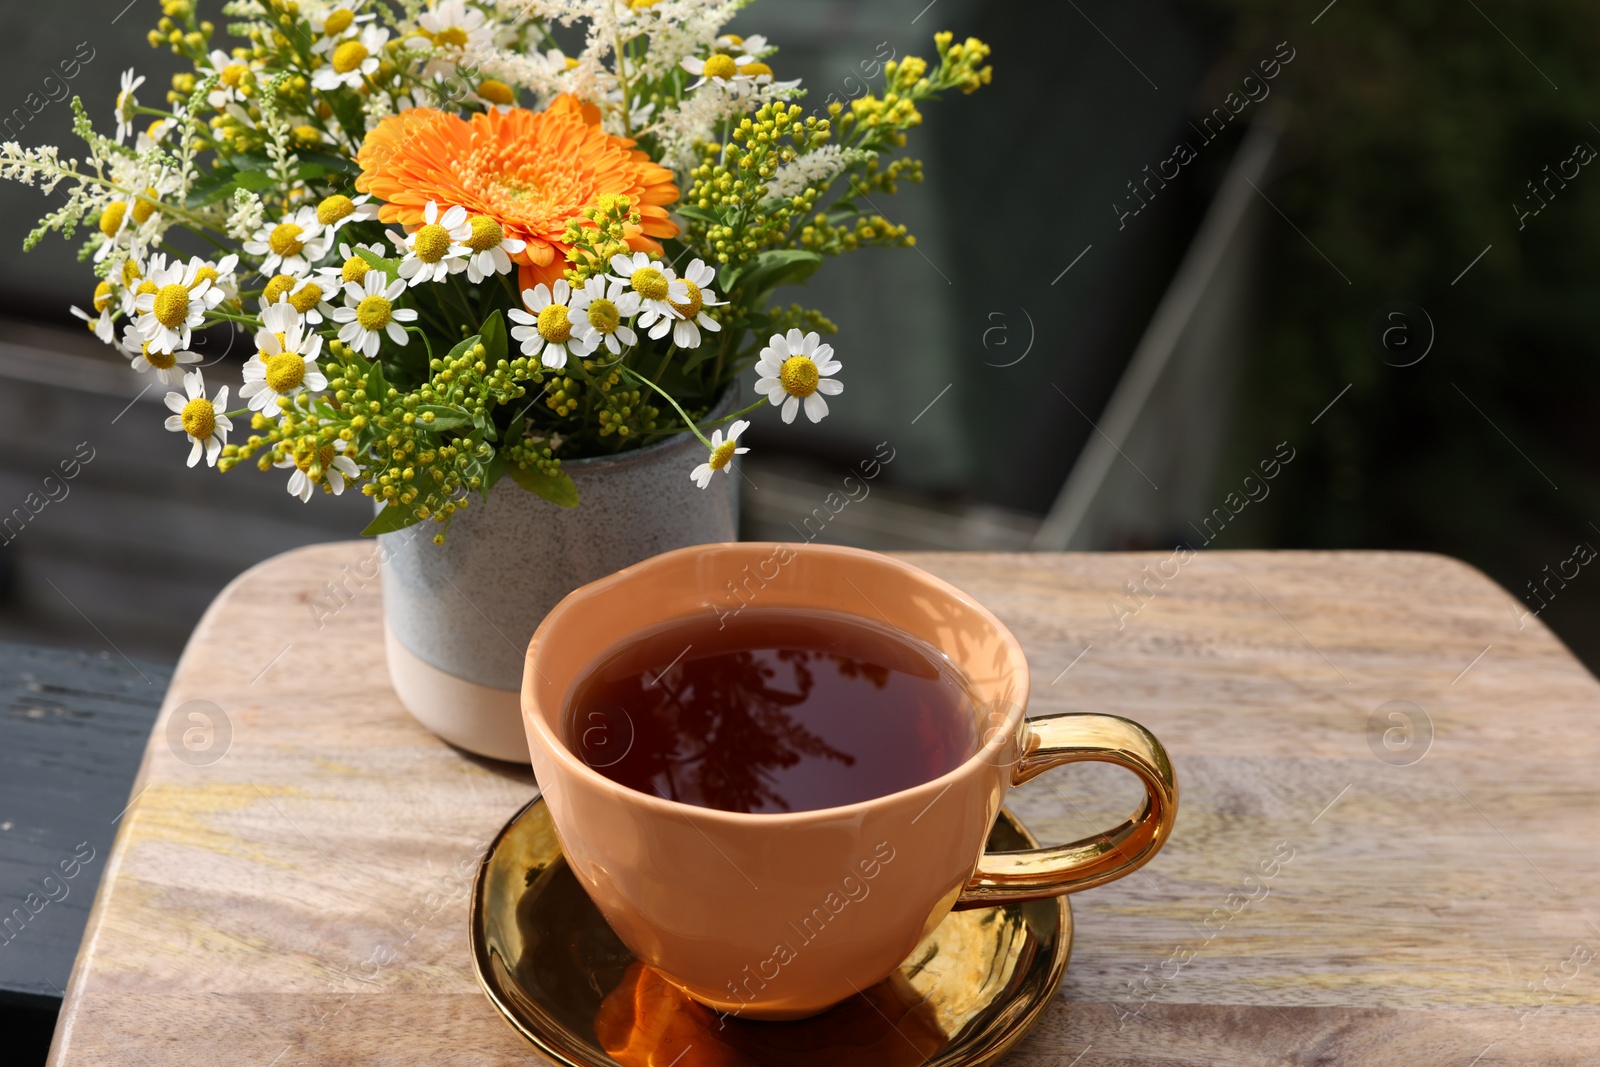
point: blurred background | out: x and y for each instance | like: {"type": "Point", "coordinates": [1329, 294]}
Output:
{"type": "Point", "coordinates": [1225, 273]}
{"type": "Point", "coordinates": [1171, 241]}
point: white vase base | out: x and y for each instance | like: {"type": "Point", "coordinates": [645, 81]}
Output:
{"type": "Point", "coordinates": [475, 717]}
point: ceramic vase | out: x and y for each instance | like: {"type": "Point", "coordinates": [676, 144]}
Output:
{"type": "Point", "coordinates": [458, 616]}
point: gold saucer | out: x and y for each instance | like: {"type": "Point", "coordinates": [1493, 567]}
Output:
{"type": "Point", "coordinates": [558, 974]}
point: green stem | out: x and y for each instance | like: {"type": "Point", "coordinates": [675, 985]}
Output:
{"type": "Point", "coordinates": [662, 366]}
{"type": "Point", "coordinates": [736, 414]}
{"type": "Point", "coordinates": [687, 421]}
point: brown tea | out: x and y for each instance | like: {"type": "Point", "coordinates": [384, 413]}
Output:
{"type": "Point", "coordinates": [772, 710]}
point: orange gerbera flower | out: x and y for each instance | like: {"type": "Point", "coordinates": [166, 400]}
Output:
{"type": "Point", "coordinates": [530, 171]}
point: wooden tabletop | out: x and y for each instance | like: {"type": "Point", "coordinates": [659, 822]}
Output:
{"type": "Point", "coordinates": [1351, 880]}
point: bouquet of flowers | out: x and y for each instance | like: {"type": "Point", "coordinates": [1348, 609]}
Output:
{"type": "Point", "coordinates": [462, 253]}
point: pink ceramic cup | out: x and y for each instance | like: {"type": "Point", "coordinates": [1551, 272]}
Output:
{"type": "Point", "coordinates": [780, 916]}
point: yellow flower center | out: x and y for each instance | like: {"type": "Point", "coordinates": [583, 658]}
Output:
{"type": "Point", "coordinates": [432, 242]}
{"type": "Point", "coordinates": [307, 134]}
{"type": "Point", "coordinates": [285, 371]}
{"type": "Point", "coordinates": [280, 284]}
{"type": "Point", "coordinates": [496, 92]}
{"type": "Point", "coordinates": [144, 208]}
{"type": "Point", "coordinates": [172, 306]}
{"type": "Point", "coordinates": [130, 272]}
{"type": "Point", "coordinates": [199, 418]}
{"type": "Point", "coordinates": [604, 316]}
{"type": "Point", "coordinates": [721, 66]}
{"type": "Point", "coordinates": [486, 234]}
{"type": "Point", "coordinates": [102, 296]}
{"type": "Point", "coordinates": [640, 5]}
{"type": "Point", "coordinates": [233, 74]}
{"type": "Point", "coordinates": [373, 312]}
{"type": "Point", "coordinates": [160, 360]}
{"type": "Point", "coordinates": [798, 376]}
{"type": "Point", "coordinates": [454, 36]}
{"type": "Point", "coordinates": [722, 455]}
{"type": "Point", "coordinates": [355, 268]}
{"type": "Point", "coordinates": [111, 218]}
{"type": "Point", "coordinates": [755, 70]}
{"type": "Point", "coordinates": [147, 286]}
{"type": "Point", "coordinates": [285, 239]}
{"type": "Point", "coordinates": [306, 298]}
{"type": "Point", "coordinates": [649, 283]}
{"type": "Point", "coordinates": [207, 273]}
{"type": "Point", "coordinates": [554, 324]}
{"type": "Point", "coordinates": [733, 39]}
{"type": "Point", "coordinates": [338, 22]}
{"type": "Point", "coordinates": [334, 208]}
{"type": "Point", "coordinates": [690, 307]}
{"type": "Point", "coordinates": [349, 56]}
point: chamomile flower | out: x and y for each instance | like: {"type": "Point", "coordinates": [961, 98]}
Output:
{"type": "Point", "coordinates": [99, 324]}
{"type": "Point", "coordinates": [337, 26]}
{"type": "Point", "coordinates": [167, 365]}
{"type": "Point", "coordinates": [232, 75]}
{"type": "Point", "coordinates": [285, 363]}
{"type": "Point", "coordinates": [290, 246]}
{"type": "Point", "coordinates": [172, 302]}
{"type": "Point", "coordinates": [156, 133]}
{"type": "Point", "coordinates": [451, 29]}
{"type": "Point", "coordinates": [600, 317]}
{"type": "Point", "coordinates": [351, 268]}
{"type": "Point", "coordinates": [655, 285]}
{"type": "Point", "coordinates": [304, 295]}
{"type": "Point", "coordinates": [691, 319]}
{"type": "Point", "coordinates": [435, 250]}
{"type": "Point", "coordinates": [126, 102]}
{"type": "Point", "coordinates": [199, 419]}
{"type": "Point", "coordinates": [794, 369]}
{"type": "Point", "coordinates": [338, 211]}
{"type": "Point", "coordinates": [737, 73]}
{"type": "Point", "coordinates": [489, 250]}
{"type": "Point", "coordinates": [328, 465]}
{"type": "Point", "coordinates": [548, 331]}
{"type": "Point", "coordinates": [220, 274]}
{"type": "Point", "coordinates": [369, 313]}
{"type": "Point", "coordinates": [722, 453]}
{"type": "Point", "coordinates": [352, 60]}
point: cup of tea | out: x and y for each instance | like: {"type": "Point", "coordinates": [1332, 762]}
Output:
{"type": "Point", "coordinates": [774, 768]}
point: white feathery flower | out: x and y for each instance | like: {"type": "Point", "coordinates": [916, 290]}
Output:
{"type": "Point", "coordinates": [795, 369]}
{"type": "Point", "coordinates": [201, 420]}
{"type": "Point", "coordinates": [722, 453]}
{"type": "Point", "coordinates": [814, 170]}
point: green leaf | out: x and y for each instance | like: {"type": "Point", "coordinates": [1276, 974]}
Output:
{"type": "Point", "coordinates": [557, 488]}
{"type": "Point", "coordinates": [254, 180]}
{"type": "Point", "coordinates": [377, 388]}
{"type": "Point", "coordinates": [696, 213]}
{"type": "Point", "coordinates": [392, 518]}
{"type": "Point", "coordinates": [493, 335]}
{"type": "Point", "coordinates": [492, 473]}
{"type": "Point", "coordinates": [216, 186]}
{"type": "Point", "coordinates": [770, 269]}
{"type": "Point", "coordinates": [390, 267]}
{"type": "Point", "coordinates": [445, 417]}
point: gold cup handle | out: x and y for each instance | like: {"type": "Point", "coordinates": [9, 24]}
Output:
{"type": "Point", "coordinates": [1007, 877]}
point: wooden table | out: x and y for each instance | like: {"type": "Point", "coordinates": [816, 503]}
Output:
{"type": "Point", "coordinates": [1327, 898]}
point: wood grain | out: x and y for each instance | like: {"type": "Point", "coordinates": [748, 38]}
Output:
{"type": "Point", "coordinates": [302, 899]}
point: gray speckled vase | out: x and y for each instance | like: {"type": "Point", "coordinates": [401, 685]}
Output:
{"type": "Point", "coordinates": [459, 615]}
